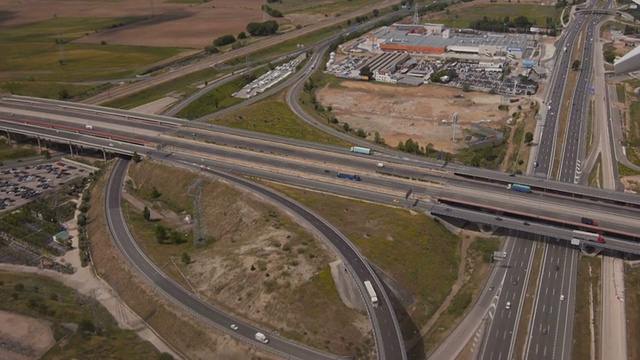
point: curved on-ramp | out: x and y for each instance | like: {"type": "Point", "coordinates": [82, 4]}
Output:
{"type": "Point", "coordinates": [388, 339]}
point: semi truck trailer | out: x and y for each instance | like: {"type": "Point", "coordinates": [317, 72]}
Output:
{"type": "Point", "coordinates": [518, 187]}
{"type": "Point", "coordinates": [372, 293]}
{"type": "Point", "coordinates": [361, 150]}
{"type": "Point", "coordinates": [349, 176]}
{"type": "Point", "coordinates": [589, 221]}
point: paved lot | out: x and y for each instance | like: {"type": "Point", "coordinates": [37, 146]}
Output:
{"type": "Point", "coordinates": [19, 185]}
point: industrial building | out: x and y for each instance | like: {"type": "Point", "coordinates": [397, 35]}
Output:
{"type": "Point", "coordinates": [434, 39]}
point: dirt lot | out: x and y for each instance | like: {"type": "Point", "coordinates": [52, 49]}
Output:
{"type": "Point", "coordinates": [23, 337]}
{"type": "Point", "coordinates": [173, 24]}
{"type": "Point", "coordinates": [400, 113]}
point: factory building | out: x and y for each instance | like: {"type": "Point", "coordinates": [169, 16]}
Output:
{"type": "Point", "coordinates": [385, 65]}
{"type": "Point", "coordinates": [434, 39]}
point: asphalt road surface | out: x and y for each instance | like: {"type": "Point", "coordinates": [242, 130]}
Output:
{"type": "Point", "coordinates": [550, 333]}
{"type": "Point", "coordinates": [501, 334]}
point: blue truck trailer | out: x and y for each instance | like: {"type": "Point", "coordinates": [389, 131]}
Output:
{"type": "Point", "coordinates": [361, 150]}
{"type": "Point", "coordinates": [518, 187]}
{"type": "Point", "coordinates": [349, 176]}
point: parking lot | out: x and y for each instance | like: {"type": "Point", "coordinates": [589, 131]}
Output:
{"type": "Point", "coordinates": [18, 185]}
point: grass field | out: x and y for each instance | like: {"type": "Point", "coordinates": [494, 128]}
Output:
{"type": "Point", "coordinates": [527, 307]}
{"type": "Point", "coordinates": [42, 298]}
{"type": "Point", "coordinates": [626, 171]}
{"type": "Point", "coordinates": [182, 85]}
{"type": "Point", "coordinates": [219, 98]}
{"type": "Point", "coordinates": [325, 7]}
{"type": "Point", "coordinates": [51, 90]}
{"type": "Point", "coordinates": [632, 299]}
{"type": "Point", "coordinates": [53, 56]}
{"type": "Point", "coordinates": [587, 291]}
{"type": "Point", "coordinates": [477, 267]}
{"type": "Point", "coordinates": [595, 177]}
{"type": "Point", "coordinates": [537, 14]}
{"type": "Point", "coordinates": [416, 251]}
{"type": "Point", "coordinates": [289, 45]}
{"type": "Point", "coordinates": [274, 117]}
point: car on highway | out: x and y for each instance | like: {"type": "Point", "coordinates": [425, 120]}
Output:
{"type": "Point", "coordinates": [508, 306]}
{"type": "Point", "coordinates": [234, 327]}
{"type": "Point", "coordinates": [561, 297]}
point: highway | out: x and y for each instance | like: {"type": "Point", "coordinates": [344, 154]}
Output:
{"type": "Point", "coordinates": [500, 337]}
{"type": "Point", "coordinates": [551, 328]}
{"type": "Point", "coordinates": [383, 317]}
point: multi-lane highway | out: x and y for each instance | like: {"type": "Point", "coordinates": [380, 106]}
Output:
{"type": "Point", "coordinates": [550, 332]}
{"type": "Point", "coordinates": [506, 307]}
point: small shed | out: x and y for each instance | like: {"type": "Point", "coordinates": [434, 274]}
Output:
{"type": "Point", "coordinates": [62, 237]}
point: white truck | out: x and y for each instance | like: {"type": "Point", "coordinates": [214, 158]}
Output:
{"type": "Point", "coordinates": [372, 293]}
{"type": "Point", "coordinates": [88, 127]}
{"type": "Point", "coordinates": [262, 338]}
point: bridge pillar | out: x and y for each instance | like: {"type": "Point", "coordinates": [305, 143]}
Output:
{"type": "Point", "coordinates": [8, 138]}
{"type": "Point", "coordinates": [39, 146]}
{"type": "Point", "coordinates": [71, 149]}
{"type": "Point", "coordinates": [104, 155]}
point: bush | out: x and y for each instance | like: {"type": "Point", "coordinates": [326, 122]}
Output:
{"type": "Point", "coordinates": [262, 29]}
{"type": "Point", "coordinates": [224, 40]}
{"type": "Point", "coordinates": [242, 35]}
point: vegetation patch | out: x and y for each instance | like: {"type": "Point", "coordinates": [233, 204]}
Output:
{"type": "Point", "coordinates": [626, 171]}
{"type": "Point", "coordinates": [82, 328]}
{"type": "Point", "coordinates": [274, 117]}
{"type": "Point", "coordinates": [536, 14]}
{"type": "Point", "coordinates": [384, 235]}
{"type": "Point", "coordinates": [184, 85]}
{"type": "Point", "coordinates": [219, 98]}
{"type": "Point", "coordinates": [10, 152]}
{"type": "Point", "coordinates": [588, 290]}
{"type": "Point", "coordinates": [632, 301]}
{"type": "Point", "coordinates": [243, 256]}
{"type": "Point", "coordinates": [54, 55]}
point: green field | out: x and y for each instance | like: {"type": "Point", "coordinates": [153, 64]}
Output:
{"type": "Point", "coordinates": [537, 14]}
{"type": "Point", "coordinates": [219, 98]}
{"type": "Point", "coordinates": [43, 59]}
{"type": "Point", "coordinates": [274, 117]}
{"type": "Point", "coordinates": [325, 7]}
{"type": "Point", "coordinates": [183, 85]}
{"type": "Point", "coordinates": [98, 335]}
{"type": "Point", "coordinates": [14, 152]}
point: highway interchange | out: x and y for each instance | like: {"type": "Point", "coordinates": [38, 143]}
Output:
{"type": "Point", "coordinates": [550, 335]}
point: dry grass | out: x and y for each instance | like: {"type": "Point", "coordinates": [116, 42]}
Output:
{"type": "Point", "coordinates": [416, 251]}
{"type": "Point", "coordinates": [587, 278]}
{"type": "Point", "coordinates": [258, 263]}
{"type": "Point", "coordinates": [188, 336]}
{"type": "Point", "coordinates": [632, 298]}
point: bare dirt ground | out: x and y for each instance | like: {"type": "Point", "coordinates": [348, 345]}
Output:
{"type": "Point", "coordinates": [173, 24]}
{"type": "Point", "coordinates": [400, 113]}
{"type": "Point", "coordinates": [631, 183]}
{"type": "Point", "coordinates": [156, 107]}
{"type": "Point", "coordinates": [23, 337]}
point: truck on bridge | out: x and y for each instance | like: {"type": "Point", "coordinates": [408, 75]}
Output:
{"type": "Point", "coordinates": [349, 176]}
{"type": "Point", "coordinates": [518, 187]}
{"type": "Point", "coordinates": [587, 236]}
{"type": "Point", "coordinates": [372, 293]}
{"type": "Point", "coordinates": [361, 150]}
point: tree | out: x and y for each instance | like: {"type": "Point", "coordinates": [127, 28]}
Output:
{"type": "Point", "coordinates": [82, 220]}
{"type": "Point", "coordinates": [576, 65]}
{"type": "Point", "coordinates": [63, 94]}
{"type": "Point", "coordinates": [161, 233]}
{"type": "Point", "coordinates": [47, 154]}
{"type": "Point", "coordinates": [87, 326]}
{"type": "Point", "coordinates": [146, 213]}
{"type": "Point", "coordinates": [345, 126]}
{"type": "Point", "coordinates": [361, 133]}
{"type": "Point", "coordinates": [224, 40]}
{"type": "Point", "coordinates": [165, 356]}
{"type": "Point", "coordinates": [262, 29]}
{"type": "Point", "coordinates": [376, 12]}
{"type": "Point", "coordinates": [186, 259]}
{"type": "Point", "coordinates": [528, 137]}
{"type": "Point", "coordinates": [366, 71]}
{"type": "Point", "coordinates": [242, 35]}
{"type": "Point", "coordinates": [211, 50]}
{"type": "Point", "coordinates": [136, 157]}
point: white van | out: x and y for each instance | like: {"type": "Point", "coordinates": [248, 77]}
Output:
{"type": "Point", "coordinates": [380, 165]}
{"type": "Point", "coordinates": [508, 306]}
{"type": "Point", "coordinates": [88, 127]}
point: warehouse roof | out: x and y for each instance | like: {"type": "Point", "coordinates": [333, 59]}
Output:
{"type": "Point", "coordinates": [400, 37]}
